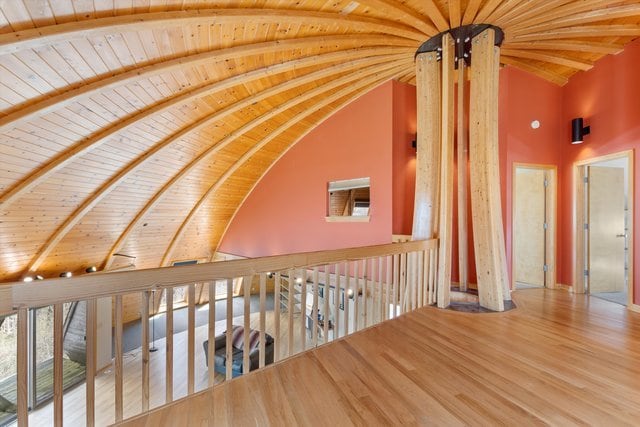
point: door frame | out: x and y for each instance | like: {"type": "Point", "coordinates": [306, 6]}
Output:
{"type": "Point", "coordinates": [580, 245]}
{"type": "Point", "coordinates": [550, 281]}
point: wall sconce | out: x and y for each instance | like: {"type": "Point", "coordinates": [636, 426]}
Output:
{"type": "Point", "coordinates": [578, 130]}
{"type": "Point", "coordinates": [91, 269]}
{"type": "Point", "coordinates": [414, 143]}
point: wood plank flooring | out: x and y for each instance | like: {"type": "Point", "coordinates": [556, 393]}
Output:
{"type": "Point", "coordinates": [558, 359]}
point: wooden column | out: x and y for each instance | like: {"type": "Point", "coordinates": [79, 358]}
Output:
{"type": "Point", "coordinates": [463, 244]}
{"type": "Point", "coordinates": [425, 214]}
{"type": "Point", "coordinates": [22, 343]}
{"type": "Point", "coordinates": [446, 172]}
{"type": "Point", "coordinates": [486, 208]}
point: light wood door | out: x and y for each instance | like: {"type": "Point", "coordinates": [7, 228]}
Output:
{"type": "Point", "coordinates": [606, 229]}
{"type": "Point", "coordinates": [529, 220]}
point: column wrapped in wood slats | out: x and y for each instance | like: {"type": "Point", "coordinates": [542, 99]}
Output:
{"type": "Point", "coordinates": [486, 207]}
{"type": "Point", "coordinates": [118, 360]}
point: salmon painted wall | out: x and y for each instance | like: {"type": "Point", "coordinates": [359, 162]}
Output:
{"type": "Point", "coordinates": [608, 97]}
{"type": "Point", "coordinates": [286, 211]}
{"type": "Point", "coordinates": [404, 156]}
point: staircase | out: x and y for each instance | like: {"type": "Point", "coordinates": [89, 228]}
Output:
{"type": "Point", "coordinates": [290, 291]}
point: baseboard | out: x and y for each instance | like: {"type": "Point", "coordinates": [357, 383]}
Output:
{"type": "Point", "coordinates": [634, 307]}
{"type": "Point", "coordinates": [564, 287]}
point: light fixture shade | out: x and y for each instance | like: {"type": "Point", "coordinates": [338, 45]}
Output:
{"type": "Point", "coordinates": [578, 130]}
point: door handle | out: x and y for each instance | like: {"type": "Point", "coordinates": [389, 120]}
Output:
{"type": "Point", "coordinates": [621, 235]}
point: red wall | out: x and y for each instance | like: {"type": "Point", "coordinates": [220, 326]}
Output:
{"type": "Point", "coordinates": [404, 156]}
{"type": "Point", "coordinates": [608, 97]}
{"type": "Point", "coordinates": [286, 211]}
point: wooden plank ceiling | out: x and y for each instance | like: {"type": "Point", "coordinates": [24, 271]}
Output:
{"type": "Point", "coordinates": [139, 126]}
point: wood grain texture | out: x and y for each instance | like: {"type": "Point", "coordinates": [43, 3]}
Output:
{"type": "Point", "coordinates": [104, 105]}
{"type": "Point", "coordinates": [439, 367]}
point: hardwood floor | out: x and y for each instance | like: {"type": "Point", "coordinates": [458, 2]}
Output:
{"type": "Point", "coordinates": [558, 359]}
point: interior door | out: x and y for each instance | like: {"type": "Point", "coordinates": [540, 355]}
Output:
{"type": "Point", "coordinates": [606, 229]}
{"type": "Point", "coordinates": [529, 220]}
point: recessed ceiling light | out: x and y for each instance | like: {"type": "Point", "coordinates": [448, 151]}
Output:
{"type": "Point", "coordinates": [535, 124]}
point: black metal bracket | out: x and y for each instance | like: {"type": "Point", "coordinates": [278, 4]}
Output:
{"type": "Point", "coordinates": [462, 36]}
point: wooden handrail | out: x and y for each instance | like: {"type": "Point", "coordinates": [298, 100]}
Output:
{"type": "Point", "coordinates": [97, 285]}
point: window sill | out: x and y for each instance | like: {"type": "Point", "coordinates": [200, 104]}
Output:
{"type": "Point", "coordinates": [347, 218]}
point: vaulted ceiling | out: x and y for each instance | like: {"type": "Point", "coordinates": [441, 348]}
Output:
{"type": "Point", "coordinates": [139, 126]}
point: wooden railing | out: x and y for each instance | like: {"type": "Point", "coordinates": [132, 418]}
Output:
{"type": "Point", "coordinates": [318, 297]}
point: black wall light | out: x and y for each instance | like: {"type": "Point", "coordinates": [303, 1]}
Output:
{"type": "Point", "coordinates": [578, 130]}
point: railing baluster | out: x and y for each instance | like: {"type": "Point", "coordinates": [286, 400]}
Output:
{"type": "Point", "coordinates": [380, 281]}
{"type": "Point", "coordinates": [145, 349]}
{"type": "Point", "coordinates": [211, 335]}
{"type": "Point", "coordinates": [57, 365]}
{"type": "Point", "coordinates": [374, 275]}
{"type": "Point", "coordinates": [402, 281]}
{"type": "Point", "coordinates": [276, 306]}
{"type": "Point", "coordinates": [303, 309]}
{"type": "Point", "coordinates": [263, 316]}
{"type": "Point", "coordinates": [291, 306]}
{"type": "Point", "coordinates": [421, 266]}
{"type": "Point", "coordinates": [91, 324]}
{"type": "Point", "coordinates": [191, 338]}
{"type": "Point", "coordinates": [229, 332]}
{"type": "Point", "coordinates": [21, 368]}
{"type": "Point", "coordinates": [336, 302]}
{"type": "Point", "coordinates": [326, 294]}
{"type": "Point", "coordinates": [246, 285]}
{"type": "Point", "coordinates": [356, 296]}
{"type": "Point", "coordinates": [119, 402]}
{"type": "Point", "coordinates": [169, 346]}
{"type": "Point", "coordinates": [396, 284]}
{"type": "Point", "coordinates": [366, 268]}
{"type": "Point", "coordinates": [434, 274]}
{"type": "Point", "coordinates": [345, 297]}
{"type": "Point", "coordinates": [314, 309]}
{"type": "Point", "coordinates": [414, 281]}
{"type": "Point", "coordinates": [387, 288]}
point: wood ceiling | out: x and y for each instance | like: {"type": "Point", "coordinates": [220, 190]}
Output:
{"type": "Point", "coordinates": [140, 126]}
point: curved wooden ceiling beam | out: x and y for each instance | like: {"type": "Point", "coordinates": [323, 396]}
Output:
{"type": "Point", "coordinates": [621, 30]}
{"type": "Point", "coordinates": [505, 8]}
{"type": "Point", "coordinates": [357, 87]}
{"type": "Point", "coordinates": [165, 66]}
{"type": "Point", "coordinates": [402, 13]}
{"type": "Point", "coordinates": [546, 57]}
{"type": "Point", "coordinates": [568, 45]}
{"type": "Point", "coordinates": [222, 143]}
{"type": "Point", "coordinates": [543, 11]}
{"type": "Point", "coordinates": [69, 31]}
{"type": "Point", "coordinates": [435, 14]}
{"type": "Point", "coordinates": [455, 13]}
{"type": "Point", "coordinates": [627, 11]}
{"type": "Point", "coordinates": [526, 66]}
{"type": "Point", "coordinates": [486, 10]}
{"type": "Point", "coordinates": [65, 158]}
{"type": "Point", "coordinates": [524, 7]}
{"type": "Point", "coordinates": [471, 11]}
{"type": "Point", "coordinates": [102, 192]}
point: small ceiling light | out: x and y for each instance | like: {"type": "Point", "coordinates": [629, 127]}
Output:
{"type": "Point", "coordinates": [535, 124]}
{"type": "Point", "coordinates": [299, 280]}
{"type": "Point", "coordinates": [578, 130]}
{"type": "Point", "coordinates": [39, 277]}
{"type": "Point", "coordinates": [28, 279]}
{"type": "Point", "coordinates": [91, 269]}
{"type": "Point", "coordinates": [66, 274]}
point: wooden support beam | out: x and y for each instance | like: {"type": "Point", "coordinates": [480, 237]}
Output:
{"type": "Point", "coordinates": [486, 209]}
{"type": "Point", "coordinates": [539, 71]}
{"type": "Point", "coordinates": [276, 309]}
{"type": "Point", "coordinates": [211, 335]}
{"type": "Point", "coordinates": [191, 337]}
{"type": "Point", "coordinates": [246, 314]}
{"type": "Point", "coordinates": [455, 14]}
{"type": "Point", "coordinates": [446, 171]}
{"type": "Point", "coordinates": [471, 11]}
{"type": "Point", "coordinates": [569, 45]}
{"type": "Point", "coordinates": [229, 332]}
{"type": "Point", "coordinates": [402, 13]}
{"type": "Point", "coordinates": [425, 214]}
{"type": "Point", "coordinates": [263, 318]}
{"type": "Point", "coordinates": [543, 56]}
{"type": "Point", "coordinates": [462, 158]}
